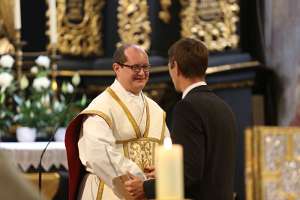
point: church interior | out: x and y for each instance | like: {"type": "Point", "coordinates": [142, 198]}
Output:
{"type": "Point", "coordinates": [63, 49]}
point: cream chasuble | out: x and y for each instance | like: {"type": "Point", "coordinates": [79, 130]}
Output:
{"type": "Point", "coordinates": [118, 135]}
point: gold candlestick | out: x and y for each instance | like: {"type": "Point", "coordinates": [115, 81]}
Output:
{"type": "Point", "coordinates": [19, 54]}
{"type": "Point", "coordinates": [53, 55]}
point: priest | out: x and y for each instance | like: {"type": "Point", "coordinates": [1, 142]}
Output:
{"type": "Point", "coordinates": [117, 133]}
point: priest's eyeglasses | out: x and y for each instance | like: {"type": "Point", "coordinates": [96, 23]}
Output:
{"type": "Point", "coordinates": [137, 67]}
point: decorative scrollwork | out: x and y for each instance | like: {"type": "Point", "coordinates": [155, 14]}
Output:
{"type": "Point", "coordinates": [133, 23]}
{"type": "Point", "coordinates": [212, 21]}
{"type": "Point", "coordinates": [79, 27]}
{"type": "Point", "coordinates": [141, 152]}
{"type": "Point", "coordinates": [164, 14]}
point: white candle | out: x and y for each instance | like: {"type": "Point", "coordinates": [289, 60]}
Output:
{"type": "Point", "coordinates": [17, 14]}
{"type": "Point", "coordinates": [53, 22]}
{"type": "Point", "coordinates": [169, 171]}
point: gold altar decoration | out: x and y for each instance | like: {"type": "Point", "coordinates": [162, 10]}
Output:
{"type": "Point", "coordinates": [7, 31]}
{"type": "Point", "coordinates": [18, 54]}
{"type": "Point", "coordinates": [50, 182]}
{"type": "Point", "coordinates": [7, 16]}
{"type": "Point", "coordinates": [272, 167]}
{"type": "Point", "coordinates": [53, 54]}
{"type": "Point", "coordinates": [79, 27]}
{"type": "Point", "coordinates": [133, 23]}
{"type": "Point", "coordinates": [212, 21]}
{"type": "Point", "coordinates": [164, 14]}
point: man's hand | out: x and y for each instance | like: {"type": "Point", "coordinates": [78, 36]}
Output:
{"type": "Point", "coordinates": [135, 188]}
{"type": "Point", "coordinates": [150, 172]}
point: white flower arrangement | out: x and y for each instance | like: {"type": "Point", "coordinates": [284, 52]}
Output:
{"type": "Point", "coordinates": [34, 70]}
{"type": "Point", "coordinates": [43, 61]}
{"type": "Point", "coordinates": [35, 97]}
{"type": "Point", "coordinates": [50, 108]}
{"type": "Point", "coordinates": [67, 88]}
{"type": "Point", "coordinates": [7, 61]}
{"type": "Point", "coordinates": [37, 105]}
{"type": "Point", "coordinates": [7, 89]}
{"type": "Point", "coordinates": [6, 77]}
{"type": "Point", "coordinates": [41, 83]}
{"type": "Point", "coordinates": [5, 80]}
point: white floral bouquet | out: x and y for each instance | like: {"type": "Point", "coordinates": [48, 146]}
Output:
{"type": "Point", "coordinates": [33, 101]}
{"type": "Point", "coordinates": [67, 105]}
{"type": "Point", "coordinates": [7, 89]}
{"type": "Point", "coordinates": [39, 106]}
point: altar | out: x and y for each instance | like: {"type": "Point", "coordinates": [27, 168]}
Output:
{"type": "Point", "coordinates": [26, 155]}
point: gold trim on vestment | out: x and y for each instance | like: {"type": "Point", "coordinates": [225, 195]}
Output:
{"type": "Point", "coordinates": [125, 149]}
{"type": "Point", "coordinates": [140, 139]}
{"type": "Point", "coordinates": [129, 115]}
{"type": "Point", "coordinates": [100, 190]}
{"type": "Point", "coordinates": [141, 151]}
{"type": "Point", "coordinates": [127, 112]}
{"type": "Point", "coordinates": [100, 114]}
{"type": "Point", "coordinates": [163, 129]}
{"type": "Point", "coordinates": [146, 133]}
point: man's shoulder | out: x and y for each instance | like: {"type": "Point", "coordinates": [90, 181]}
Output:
{"type": "Point", "coordinates": [202, 96]}
{"type": "Point", "coordinates": [205, 101]}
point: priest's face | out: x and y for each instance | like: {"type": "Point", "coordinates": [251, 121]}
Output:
{"type": "Point", "coordinates": [134, 73]}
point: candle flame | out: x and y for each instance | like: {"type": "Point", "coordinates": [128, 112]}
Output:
{"type": "Point", "coordinates": [168, 143]}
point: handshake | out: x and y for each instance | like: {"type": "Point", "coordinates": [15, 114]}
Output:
{"type": "Point", "coordinates": [131, 187]}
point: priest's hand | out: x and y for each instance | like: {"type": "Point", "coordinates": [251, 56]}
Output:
{"type": "Point", "coordinates": [149, 172]}
{"type": "Point", "coordinates": [135, 188]}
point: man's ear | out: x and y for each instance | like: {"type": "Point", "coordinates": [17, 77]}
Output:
{"type": "Point", "coordinates": [177, 70]}
{"type": "Point", "coordinates": [115, 67]}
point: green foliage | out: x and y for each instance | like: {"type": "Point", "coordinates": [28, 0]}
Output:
{"type": "Point", "coordinates": [36, 104]}
{"type": "Point", "coordinates": [45, 108]}
{"type": "Point", "coordinates": [7, 89]}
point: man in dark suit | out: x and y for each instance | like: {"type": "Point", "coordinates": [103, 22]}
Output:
{"type": "Point", "coordinates": [203, 124]}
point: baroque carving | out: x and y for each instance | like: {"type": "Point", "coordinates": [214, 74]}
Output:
{"type": "Point", "coordinates": [164, 14]}
{"type": "Point", "coordinates": [7, 31]}
{"type": "Point", "coordinates": [133, 23]}
{"type": "Point", "coordinates": [212, 21]}
{"type": "Point", "coordinates": [79, 27]}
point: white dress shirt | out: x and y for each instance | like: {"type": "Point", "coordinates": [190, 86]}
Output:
{"type": "Point", "coordinates": [192, 86]}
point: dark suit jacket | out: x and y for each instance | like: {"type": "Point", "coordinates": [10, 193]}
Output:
{"type": "Point", "coordinates": [205, 126]}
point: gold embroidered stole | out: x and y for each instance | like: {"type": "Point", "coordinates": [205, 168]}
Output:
{"type": "Point", "coordinates": [141, 148]}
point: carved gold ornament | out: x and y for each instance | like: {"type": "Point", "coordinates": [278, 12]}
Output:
{"type": "Point", "coordinates": [133, 23]}
{"type": "Point", "coordinates": [164, 14]}
{"type": "Point", "coordinates": [272, 167]}
{"type": "Point", "coordinates": [212, 21]}
{"type": "Point", "coordinates": [79, 27]}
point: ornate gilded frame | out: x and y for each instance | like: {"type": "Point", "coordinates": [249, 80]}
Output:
{"type": "Point", "coordinates": [133, 23]}
{"type": "Point", "coordinates": [272, 167]}
{"type": "Point", "coordinates": [212, 21]}
{"type": "Point", "coordinates": [79, 27]}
